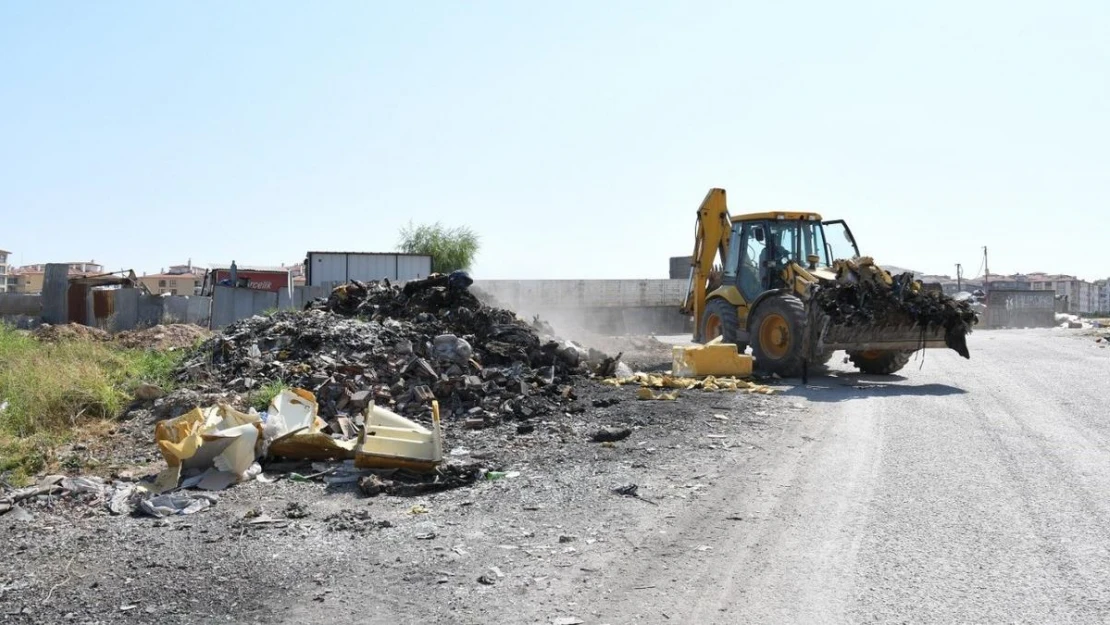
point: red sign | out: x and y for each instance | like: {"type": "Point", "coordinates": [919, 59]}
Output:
{"type": "Point", "coordinates": [259, 280]}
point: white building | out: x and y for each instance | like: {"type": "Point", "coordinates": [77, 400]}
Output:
{"type": "Point", "coordinates": [7, 281]}
{"type": "Point", "coordinates": [1082, 296]}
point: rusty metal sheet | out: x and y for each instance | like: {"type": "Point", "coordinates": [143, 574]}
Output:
{"type": "Point", "coordinates": [76, 296]}
{"type": "Point", "coordinates": [104, 306]}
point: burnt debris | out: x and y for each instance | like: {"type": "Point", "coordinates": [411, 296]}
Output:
{"type": "Point", "coordinates": [400, 348]}
{"type": "Point", "coordinates": [869, 299]}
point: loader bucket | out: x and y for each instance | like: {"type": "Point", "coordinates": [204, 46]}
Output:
{"type": "Point", "coordinates": [889, 337]}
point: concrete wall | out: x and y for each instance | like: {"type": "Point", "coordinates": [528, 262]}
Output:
{"type": "Point", "coordinates": [616, 320]}
{"type": "Point", "coordinates": [302, 295]}
{"type": "Point", "coordinates": [193, 309]}
{"type": "Point", "coordinates": [131, 309]}
{"type": "Point", "coordinates": [1020, 309]}
{"type": "Point", "coordinates": [543, 294]}
{"type": "Point", "coordinates": [604, 306]}
{"type": "Point", "coordinates": [18, 304]}
{"type": "Point", "coordinates": [230, 305]}
{"type": "Point", "coordinates": [21, 311]}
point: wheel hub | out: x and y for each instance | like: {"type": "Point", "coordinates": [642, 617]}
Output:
{"type": "Point", "coordinates": [774, 336]}
{"type": "Point", "coordinates": [712, 327]}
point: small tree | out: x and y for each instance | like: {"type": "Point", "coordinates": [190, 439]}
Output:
{"type": "Point", "coordinates": [450, 248]}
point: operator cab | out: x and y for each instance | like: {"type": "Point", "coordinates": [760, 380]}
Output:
{"type": "Point", "coordinates": [761, 245]}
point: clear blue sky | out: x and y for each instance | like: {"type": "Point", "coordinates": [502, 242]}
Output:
{"type": "Point", "coordinates": [576, 137]}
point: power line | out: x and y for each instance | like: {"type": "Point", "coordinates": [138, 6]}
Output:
{"type": "Point", "coordinates": [982, 265]}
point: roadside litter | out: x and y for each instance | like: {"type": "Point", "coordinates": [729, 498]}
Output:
{"type": "Point", "coordinates": [646, 393]}
{"type": "Point", "coordinates": [632, 490]}
{"type": "Point", "coordinates": [116, 497]}
{"type": "Point", "coordinates": [1070, 322]}
{"type": "Point", "coordinates": [610, 435]}
{"type": "Point", "coordinates": [218, 446]}
{"type": "Point", "coordinates": [648, 381]}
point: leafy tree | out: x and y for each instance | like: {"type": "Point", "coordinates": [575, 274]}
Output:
{"type": "Point", "coordinates": [450, 248]}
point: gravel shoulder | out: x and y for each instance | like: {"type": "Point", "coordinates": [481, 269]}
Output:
{"type": "Point", "coordinates": [522, 545]}
{"type": "Point", "coordinates": [957, 491]}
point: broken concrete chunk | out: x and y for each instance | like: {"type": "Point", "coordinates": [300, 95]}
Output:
{"type": "Point", "coordinates": [360, 400]}
{"type": "Point", "coordinates": [423, 393]}
{"type": "Point", "coordinates": [419, 366]}
{"type": "Point", "coordinates": [610, 435]}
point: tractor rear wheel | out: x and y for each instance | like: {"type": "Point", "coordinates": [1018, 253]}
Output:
{"type": "Point", "coordinates": [776, 331]}
{"type": "Point", "coordinates": [879, 362]}
{"type": "Point", "coordinates": [720, 319]}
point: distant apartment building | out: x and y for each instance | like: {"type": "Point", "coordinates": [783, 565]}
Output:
{"type": "Point", "coordinates": [7, 282]}
{"type": "Point", "coordinates": [1082, 297]}
{"type": "Point", "coordinates": [28, 278]}
{"type": "Point", "coordinates": [184, 279]}
{"type": "Point", "coordinates": [173, 283]}
{"type": "Point", "coordinates": [1103, 287]}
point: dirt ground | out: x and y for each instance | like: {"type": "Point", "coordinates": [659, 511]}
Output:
{"type": "Point", "coordinates": [159, 337]}
{"type": "Point", "coordinates": [162, 337]}
{"type": "Point", "coordinates": [338, 556]}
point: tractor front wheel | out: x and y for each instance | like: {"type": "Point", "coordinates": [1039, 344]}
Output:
{"type": "Point", "coordinates": [776, 331]}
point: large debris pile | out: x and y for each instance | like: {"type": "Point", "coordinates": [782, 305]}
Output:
{"type": "Point", "coordinates": [377, 343]}
{"type": "Point", "coordinates": [866, 294]}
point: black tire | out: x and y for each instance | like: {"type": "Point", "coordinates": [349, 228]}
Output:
{"type": "Point", "coordinates": [880, 363]}
{"type": "Point", "coordinates": [778, 347]}
{"type": "Point", "coordinates": [722, 313]}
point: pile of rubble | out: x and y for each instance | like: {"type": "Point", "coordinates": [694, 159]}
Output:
{"type": "Point", "coordinates": [163, 337]}
{"type": "Point", "coordinates": [865, 294]}
{"type": "Point", "coordinates": [59, 333]}
{"type": "Point", "coordinates": [400, 348]}
{"type": "Point", "coordinates": [159, 337]}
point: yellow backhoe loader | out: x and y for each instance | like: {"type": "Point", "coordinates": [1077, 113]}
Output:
{"type": "Point", "coordinates": [761, 294]}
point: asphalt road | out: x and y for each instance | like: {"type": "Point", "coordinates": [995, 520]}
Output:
{"type": "Point", "coordinates": [956, 492]}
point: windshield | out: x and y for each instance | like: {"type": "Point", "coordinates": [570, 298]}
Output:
{"type": "Point", "coordinates": [798, 240]}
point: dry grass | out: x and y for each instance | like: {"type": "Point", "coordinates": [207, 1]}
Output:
{"type": "Point", "coordinates": [49, 390]}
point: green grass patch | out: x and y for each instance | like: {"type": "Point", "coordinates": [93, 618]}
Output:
{"type": "Point", "coordinates": [260, 399]}
{"type": "Point", "coordinates": [47, 390]}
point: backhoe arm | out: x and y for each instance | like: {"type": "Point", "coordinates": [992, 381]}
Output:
{"type": "Point", "coordinates": [711, 236]}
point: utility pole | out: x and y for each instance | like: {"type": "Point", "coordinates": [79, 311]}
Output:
{"type": "Point", "coordinates": [986, 270]}
{"type": "Point", "coordinates": [959, 276]}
